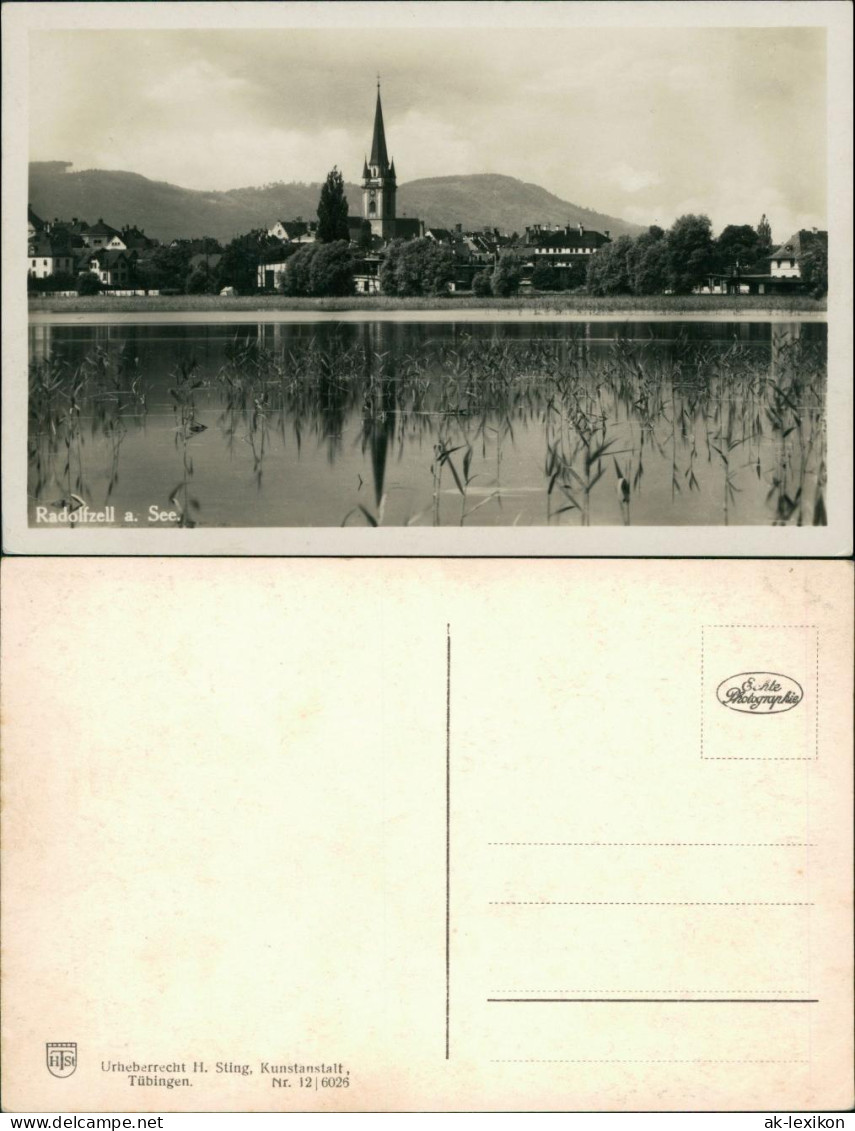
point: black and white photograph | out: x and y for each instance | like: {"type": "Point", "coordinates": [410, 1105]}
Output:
{"type": "Point", "coordinates": [358, 278]}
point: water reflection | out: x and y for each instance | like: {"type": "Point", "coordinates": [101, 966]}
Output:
{"type": "Point", "coordinates": [404, 423]}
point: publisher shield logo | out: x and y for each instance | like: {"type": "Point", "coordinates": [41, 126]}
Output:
{"type": "Point", "coordinates": [759, 693]}
{"type": "Point", "coordinates": [61, 1057]}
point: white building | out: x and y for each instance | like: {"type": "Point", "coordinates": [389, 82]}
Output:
{"type": "Point", "coordinates": [113, 268]}
{"type": "Point", "coordinates": [294, 231]}
{"type": "Point", "coordinates": [784, 260]}
{"type": "Point", "coordinates": [44, 258]}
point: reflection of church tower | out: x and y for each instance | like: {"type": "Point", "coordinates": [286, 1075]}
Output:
{"type": "Point", "coordinates": [378, 182]}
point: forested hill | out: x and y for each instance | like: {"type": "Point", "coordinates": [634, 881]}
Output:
{"type": "Point", "coordinates": [168, 211]}
{"type": "Point", "coordinates": [489, 200]}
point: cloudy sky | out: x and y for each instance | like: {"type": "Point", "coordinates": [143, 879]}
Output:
{"type": "Point", "coordinates": [640, 123]}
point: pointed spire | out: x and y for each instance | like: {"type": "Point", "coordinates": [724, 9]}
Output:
{"type": "Point", "coordinates": [379, 156]}
{"type": "Point", "coordinates": [392, 169]}
{"type": "Point", "coordinates": [365, 173]}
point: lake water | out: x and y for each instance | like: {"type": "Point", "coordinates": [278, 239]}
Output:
{"type": "Point", "coordinates": [424, 423]}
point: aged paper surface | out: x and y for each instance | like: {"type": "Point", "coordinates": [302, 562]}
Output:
{"type": "Point", "coordinates": [298, 836]}
{"type": "Point", "coordinates": [460, 22]}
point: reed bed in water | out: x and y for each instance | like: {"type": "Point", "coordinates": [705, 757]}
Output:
{"type": "Point", "coordinates": [67, 404]}
{"type": "Point", "coordinates": [723, 422]}
{"type": "Point", "coordinates": [603, 417]}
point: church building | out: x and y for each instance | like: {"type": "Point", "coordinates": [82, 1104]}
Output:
{"type": "Point", "coordinates": [379, 189]}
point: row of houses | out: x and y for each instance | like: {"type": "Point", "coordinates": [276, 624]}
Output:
{"type": "Point", "coordinates": [565, 248]}
{"type": "Point", "coordinates": [69, 247]}
{"type": "Point", "coordinates": [80, 234]}
{"type": "Point", "coordinates": [561, 247]}
{"type": "Point", "coordinates": [60, 247]}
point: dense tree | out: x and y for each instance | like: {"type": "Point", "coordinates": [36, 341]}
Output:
{"type": "Point", "coordinates": [416, 267]}
{"type": "Point", "coordinates": [544, 277]}
{"type": "Point", "coordinates": [202, 280]}
{"type": "Point", "coordinates": [764, 236]}
{"type": "Point", "coordinates": [390, 259]}
{"type": "Point", "coordinates": [506, 275]}
{"type": "Point", "coordinates": [239, 265]}
{"type": "Point", "coordinates": [166, 267]}
{"type": "Point", "coordinates": [737, 244]}
{"type": "Point", "coordinates": [653, 235]}
{"type": "Point", "coordinates": [61, 281]}
{"type": "Point", "coordinates": [481, 284]}
{"type": "Point", "coordinates": [442, 270]}
{"type": "Point", "coordinates": [572, 277]}
{"type": "Point", "coordinates": [690, 252]}
{"type": "Point", "coordinates": [609, 271]}
{"type": "Point", "coordinates": [331, 269]}
{"type": "Point", "coordinates": [648, 262]}
{"type": "Point", "coordinates": [88, 283]}
{"type": "Point", "coordinates": [332, 210]}
{"type": "Point", "coordinates": [142, 272]}
{"type": "Point", "coordinates": [813, 266]}
{"type": "Point", "coordinates": [650, 268]}
{"type": "Point", "coordinates": [295, 280]}
{"type": "Point", "coordinates": [320, 270]}
{"type": "Point", "coordinates": [207, 245]}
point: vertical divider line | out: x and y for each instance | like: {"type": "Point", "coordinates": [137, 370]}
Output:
{"type": "Point", "coordinates": [447, 841]}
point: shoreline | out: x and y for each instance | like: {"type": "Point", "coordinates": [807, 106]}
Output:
{"type": "Point", "coordinates": [188, 309]}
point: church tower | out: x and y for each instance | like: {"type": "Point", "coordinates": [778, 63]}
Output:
{"type": "Point", "coordinates": [378, 182]}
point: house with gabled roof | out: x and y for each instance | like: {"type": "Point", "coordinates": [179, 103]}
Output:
{"type": "Point", "coordinates": [294, 231]}
{"type": "Point", "coordinates": [135, 239]}
{"type": "Point", "coordinates": [113, 267]}
{"type": "Point", "coordinates": [439, 235]}
{"type": "Point", "coordinates": [784, 260]}
{"type": "Point", "coordinates": [46, 256]}
{"type": "Point", "coordinates": [103, 235]}
{"type": "Point", "coordinates": [69, 230]}
{"type": "Point", "coordinates": [35, 224]}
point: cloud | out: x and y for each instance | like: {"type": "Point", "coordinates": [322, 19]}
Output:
{"type": "Point", "coordinates": [632, 180]}
{"type": "Point", "coordinates": [631, 121]}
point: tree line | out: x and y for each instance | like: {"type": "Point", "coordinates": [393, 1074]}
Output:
{"type": "Point", "coordinates": [685, 256]}
{"type": "Point", "coordinates": [677, 260]}
{"type": "Point", "coordinates": [655, 262]}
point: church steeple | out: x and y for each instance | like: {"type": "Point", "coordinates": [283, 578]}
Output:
{"type": "Point", "coordinates": [378, 180]}
{"type": "Point", "coordinates": [379, 156]}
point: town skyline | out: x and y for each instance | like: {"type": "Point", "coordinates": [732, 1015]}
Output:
{"type": "Point", "coordinates": [266, 123]}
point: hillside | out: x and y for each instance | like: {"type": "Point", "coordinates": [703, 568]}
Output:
{"type": "Point", "coordinates": [487, 199]}
{"type": "Point", "coordinates": [167, 211]}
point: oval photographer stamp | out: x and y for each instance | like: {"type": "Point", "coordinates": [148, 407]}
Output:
{"type": "Point", "coordinates": [759, 693]}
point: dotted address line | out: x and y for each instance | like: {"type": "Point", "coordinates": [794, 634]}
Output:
{"type": "Point", "coordinates": [650, 843]}
{"type": "Point", "coordinates": [631, 903]}
{"type": "Point", "coordinates": [562, 1061]}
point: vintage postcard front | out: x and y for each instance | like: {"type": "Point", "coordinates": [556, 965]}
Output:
{"type": "Point", "coordinates": [555, 278]}
{"type": "Point", "coordinates": [325, 836]}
